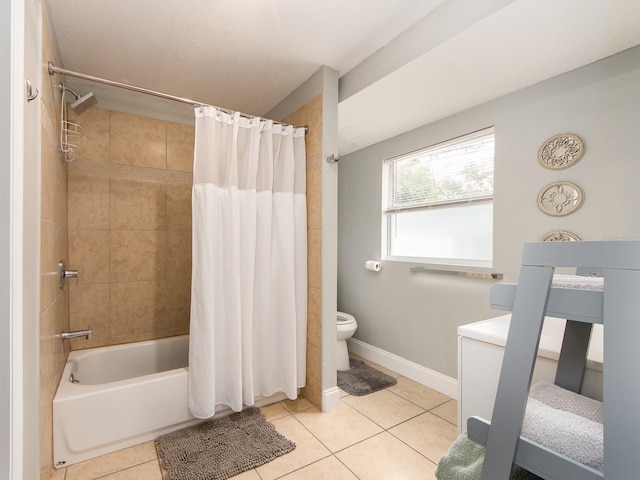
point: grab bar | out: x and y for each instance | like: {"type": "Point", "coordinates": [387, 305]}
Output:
{"type": "Point", "coordinates": [80, 333]}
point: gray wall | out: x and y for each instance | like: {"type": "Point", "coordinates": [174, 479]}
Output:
{"type": "Point", "coordinates": [416, 316]}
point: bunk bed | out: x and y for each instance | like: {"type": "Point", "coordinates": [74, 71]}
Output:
{"type": "Point", "coordinates": [605, 289]}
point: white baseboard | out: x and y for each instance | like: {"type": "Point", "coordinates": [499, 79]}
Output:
{"type": "Point", "coordinates": [330, 399]}
{"type": "Point", "coordinates": [430, 378]}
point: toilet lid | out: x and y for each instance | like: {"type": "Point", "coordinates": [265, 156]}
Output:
{"type": "Point", "coordinates": [343, 318]}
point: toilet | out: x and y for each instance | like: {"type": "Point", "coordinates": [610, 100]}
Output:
{"type": "Point", "coordinates": [346, 326]}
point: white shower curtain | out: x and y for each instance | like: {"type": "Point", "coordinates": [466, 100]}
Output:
{"type": "Point", "coordinates": [249, 274]}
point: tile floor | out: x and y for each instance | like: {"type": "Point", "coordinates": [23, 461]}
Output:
{"type": "Point", "coordinates": [397, 433]}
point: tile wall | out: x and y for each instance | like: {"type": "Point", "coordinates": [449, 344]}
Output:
{"type": "Point", "coordinates": [54, 301]}
{"type": "Point", "coordinates": [130, 228]}
{"type": "Point", "coordinates": [311, 114]}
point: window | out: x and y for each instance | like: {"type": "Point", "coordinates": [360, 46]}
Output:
{"type": "Point", "coordinates": [438, 202]}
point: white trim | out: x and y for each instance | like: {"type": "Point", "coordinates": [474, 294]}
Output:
{"type": "Point", "coordinates": [330, 399]}
{"type": "Point", "coordinates": [423, 375]}
{"type": "Point", "coordinates": [16, 228]}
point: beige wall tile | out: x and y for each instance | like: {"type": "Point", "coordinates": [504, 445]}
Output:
{"type": "Point", "coordinates": [178, 305]}
{"type": "Point", "coordinates": [52, 244]}
{"type": "Point", "coordinates": [179, 207]}
{"type": "Point", "coordinates": [310, 114]}
{"type": "Point", "coordinates": [313, 389]}
{"type": "Point", "coordinates": [89, 201]}
{"type": "Point", "coordinates": [314, 163]}
{"type": "Point", "coordinates": [180, 142]}
{"type": "Point", "coordinates": [89, 252]}
{"type": "Point", "coordinates": [137, 307]}
{"type": "Point", "coordinates": [46, 439]}
{"type": "Point", "coordinates": [314, 316]}
{"type": "Point", "coordinates": [95, 135]}
{"type": "Point", "coordinates": [314, 199]}
{"type": "Point", "coordinates": [53, 355]}
{"type": "Point", "coordinates": [178, 254]}
{"type": "Point", "coordinates": [138, 255]}
{"type": "Point", "coordinates": [90, 306]}
{"type": "Point", "coordinates": [138, 141]}
{"type": "Point", "coordinates": [314, 257]}
{"type": "Point", "coordinates": [54, 305]}
{"type": "Point", "coordinates": [54, 183]}
{"type": "Point", "coordinates": [138, 205]}
{"type": "Point", "coordinates": [53, 350]}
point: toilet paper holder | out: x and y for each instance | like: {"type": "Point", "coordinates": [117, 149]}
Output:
{"type": "Point", "coordinates": [373, 265]}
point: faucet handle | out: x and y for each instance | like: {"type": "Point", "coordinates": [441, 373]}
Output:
{"type": "Point", "coordinates": [62, 274]}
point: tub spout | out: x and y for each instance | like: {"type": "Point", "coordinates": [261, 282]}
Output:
{"type": "Point", "coordinates": [80, 333]}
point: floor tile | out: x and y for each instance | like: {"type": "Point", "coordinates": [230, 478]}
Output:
{"type": "Point", "coordinates": [308, 450]}
{"type": "Point", "coordinates": [297, 405]}
{"type": "Point", "coordinates": [145, 471]}
{"type": "Point", "coordinates": [339, 428]}
{"type": "Point", "coordinates": [59, 474]}
{"type": "Point", "coordinates": [422, 396]}
{"type": "Point", "coordinates": [248, 475]}
{"type": "Point", "coordinates": [448, 411]}
{"type": "Point", "coordinates": [274, 411]}
{"type": "Point", "coordinates": [328, 468]}
{"type": "Point", "coordinates": [382, 369]}
{"type": "Point", "coordinates": [384, 457]}
{"type": "Point", "coordinates": [385, 408]}
{"type": "Point", "coordinates": [428, 434]}
{"type": "Point", "coordinates": [113, 462]}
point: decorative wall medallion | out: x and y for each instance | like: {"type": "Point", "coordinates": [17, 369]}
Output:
{"type": "Point", "coordinates": [560, 198]}
{"type": "Point", "coordinates": [560, 236]}
{"type": "Point", "coordinates": [561, 151]}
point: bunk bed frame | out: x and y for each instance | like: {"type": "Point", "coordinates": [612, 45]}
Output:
{"type": "Point", "coordinates": [617, 307]}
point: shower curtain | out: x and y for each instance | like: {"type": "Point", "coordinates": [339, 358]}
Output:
{"type": "Point", "coordinates": [249, 275]}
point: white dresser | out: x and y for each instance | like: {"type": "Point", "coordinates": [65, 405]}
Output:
{"type": "Point", "coordinates": [480, 352]}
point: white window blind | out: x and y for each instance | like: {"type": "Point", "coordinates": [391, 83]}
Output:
{"type": "Point", "coordinates": [438, 202]}
{"type": "Point", "coordinates": [459, 170]}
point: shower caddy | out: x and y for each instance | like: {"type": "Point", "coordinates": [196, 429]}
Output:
{"type": "Point", "coordinates": [615, 303]}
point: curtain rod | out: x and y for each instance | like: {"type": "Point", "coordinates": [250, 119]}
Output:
{"type": "Point", "coordinates": [61, 71]}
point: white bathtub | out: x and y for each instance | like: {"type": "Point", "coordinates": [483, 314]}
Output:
{"type": "Point", "coordinates": [125, 395]}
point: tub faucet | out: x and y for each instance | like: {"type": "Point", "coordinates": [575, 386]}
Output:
{"type": "Point", "coordinates": [80, 333]}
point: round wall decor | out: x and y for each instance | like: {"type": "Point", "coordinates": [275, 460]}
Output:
{"type": "Point", "coordinates": [559, 236]}
{"type": "Point", "coordinates": [560, 198]}
{"type": "Point", "coordinates": [561, 151]}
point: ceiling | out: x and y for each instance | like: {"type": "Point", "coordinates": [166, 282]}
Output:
{"type": "Point", "coordinates": [402, 63]}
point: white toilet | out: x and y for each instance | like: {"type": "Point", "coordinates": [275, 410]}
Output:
{"type": "Point", "coordinates": [346, 326]}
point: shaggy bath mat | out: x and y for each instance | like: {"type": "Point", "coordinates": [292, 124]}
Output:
{"type": "Point", "coordinates": [221, 448]}
{"type": "Point", "coordinates": [363, 379]}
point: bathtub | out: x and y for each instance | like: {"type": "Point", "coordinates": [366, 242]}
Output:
{"type": "Point", "coordinates": [121, 396]}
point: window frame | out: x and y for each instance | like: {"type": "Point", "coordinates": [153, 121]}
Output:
{"type": "Point", "coordinates": [435, 263]}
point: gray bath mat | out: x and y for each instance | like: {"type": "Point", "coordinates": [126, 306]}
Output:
{"type": "Point", "coordinates": [221, 448]}
{"type": "Point", "coordinates": [363, 379]}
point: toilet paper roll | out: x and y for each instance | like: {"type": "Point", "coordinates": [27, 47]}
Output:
{"type": "Point", "coordinates": [372, 265]}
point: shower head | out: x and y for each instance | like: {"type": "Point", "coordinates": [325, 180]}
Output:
{"type": "Point", "coordinates": [84, 103]}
